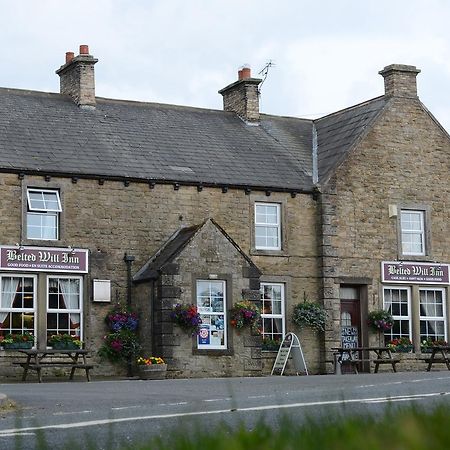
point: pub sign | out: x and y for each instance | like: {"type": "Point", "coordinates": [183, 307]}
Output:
{"type": "Point", "coordinates": [43, 259]}
{"type": "Point", "coordinates": [414, 272]}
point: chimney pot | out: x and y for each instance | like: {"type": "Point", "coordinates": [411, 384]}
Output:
{"type": "Point", "coordinates": [77, 77]}
{"type": "Point", "coordinates": [246, 72]}
{"type": "Point", "coordinates": [242, 96]}
{"type": "Point", "coordinates": [69, 57]}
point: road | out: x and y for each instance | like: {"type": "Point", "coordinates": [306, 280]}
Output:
{"type": "Point", "coordinates": [107, 414]}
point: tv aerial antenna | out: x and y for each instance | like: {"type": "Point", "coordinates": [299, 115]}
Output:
{"type": "Point", "coordinates": [265, 71]}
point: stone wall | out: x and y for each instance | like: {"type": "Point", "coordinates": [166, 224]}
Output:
{"type": "Point", "coordinates": [110, 218]}
{"type": "Point", "coordinates": [404, 159]}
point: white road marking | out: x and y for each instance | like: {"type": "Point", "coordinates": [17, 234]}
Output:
{"type": "Point", "coordinates": [219, 411]}
{"type": "Point", "coordinates": [395, 400]}
{"type": "Point", "coordinates": [218, 399]}
{"type": "Point", "coordinates": [18, 434]}
{"type": "Point", "coordinates": [70, 413]}
{"type": "Point", "coordinates": [418, 380]}
{"type": "Point", "coordinates": [126, 407]}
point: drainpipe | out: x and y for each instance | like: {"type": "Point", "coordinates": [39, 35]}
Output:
{"type": "Point", "coordinates": [129, 261]}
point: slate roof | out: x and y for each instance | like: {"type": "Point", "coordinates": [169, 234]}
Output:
{"type": "Point", "coordinates": [337, 133]}
{"type": "Point", "coordinates": [174, 246]}
{"type": "Point", "coordinates": [166, 253]}
{"type": "Point", "coordinates": [48, 133]}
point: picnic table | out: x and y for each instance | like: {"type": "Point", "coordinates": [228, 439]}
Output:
{"type": "Point", "coordinates": [68, 358]}
{"type": "Point", "coordinates": [355, 356]}
{"type": "Point", "coordinates": [439, 355]}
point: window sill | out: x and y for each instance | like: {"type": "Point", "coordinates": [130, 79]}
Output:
{"type": "Point", "coordinates": [255, 252]}
{"type": "Point", "coordinates": [205, 352]}
{"type": "Point", "coordinates": [424, 258]}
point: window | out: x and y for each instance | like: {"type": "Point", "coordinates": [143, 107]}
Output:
{"type": "Point", "coordinates": [273, 320]}
{"type": "Point", "coordinates": [267, 226]}
{"type": "Point", "coordinates": [211, 305]}
{"type": "Point", "coordinates": [413, 232]}
{"type": "Point", "coordinates": [17, 304]}
{"type": "Point", "coordinates": [432, 314]}
{"type": "Point", "coordinates": [397, 302]}
{"type": "Point", "coordinates": [43, 211]}
{"type": "Point", "coordinates": [64, 307]}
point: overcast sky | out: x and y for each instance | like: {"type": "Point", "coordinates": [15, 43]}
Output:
{"type": "Point", "coordinates": [327, 52]}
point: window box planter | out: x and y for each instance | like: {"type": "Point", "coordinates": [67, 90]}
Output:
{"type": "Point", "coordinates": [152, 372]}
{"type": "Point", "coordinates": [403, 349]}
{"type": "Point", "coordinates": [17, 345]}
{"type": "Point", "coordinates": [65, 346]}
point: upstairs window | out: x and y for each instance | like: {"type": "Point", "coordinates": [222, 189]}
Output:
{"type": "Point", "coordinates": [413, 232]}
{"type": "Point", "coordinates": [267, 226]}
{"type": "Point", "coordinates": [44, 207]}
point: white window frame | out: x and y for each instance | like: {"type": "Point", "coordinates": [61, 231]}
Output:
{"type": "Point", "coordinates": [398, 317]}
{"type": "Point", "coordinates": [281, 316]}
{"type": "Point", "coordinates": [69, 311]}
{"type": "Point", "coordinates": [408, 232]}
{"type": "Point", "coordinates": [42, 212]}
{"type": "Point", "coordinates": [276, 225]}
{"type": "Point", "coordinates": [223, 313]}
{"type": "Point", "coordinates": [442, 318]}
{"type": "Point", "coordinates": [21, 310]}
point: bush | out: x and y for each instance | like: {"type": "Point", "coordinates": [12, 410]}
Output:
{"type": "Point", "coordinates": [120, 346]}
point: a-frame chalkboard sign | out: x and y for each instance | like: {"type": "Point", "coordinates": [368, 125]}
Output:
{"type": "Point", "coordinates": [290, 346]}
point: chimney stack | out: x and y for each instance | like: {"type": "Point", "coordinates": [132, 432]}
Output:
{"type": "Point", "coordinates": [77, 77]}
{"type": "Point", "coordinates": [400, 80]}
{"type": "Point", "coordinates": [242, 96]}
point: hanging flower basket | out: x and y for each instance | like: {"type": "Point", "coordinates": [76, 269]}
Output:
{"type": "Point", "coordinates": [380, 320]}
{"type": "Point", "coordinates": [187, 318]}
{"type": "Point", "coordinates": [246, 313]}
{"type": "Point", "coordinates": [309, 314]}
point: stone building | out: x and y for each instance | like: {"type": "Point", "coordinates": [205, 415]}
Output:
{"type": "Point", "coordinates": [105, 201]}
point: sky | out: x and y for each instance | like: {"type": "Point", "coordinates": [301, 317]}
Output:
{"type": "Point", "coordinates": [326, 53]}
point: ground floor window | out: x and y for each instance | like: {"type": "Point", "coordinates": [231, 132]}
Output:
{"type": "Point", "coordinates": [272, 315]}
{"type": "Point", "coordinates": [17, 304]}
{"type": "Point", "coordinates": [432, 314]}
{"type": "Point", "coordinates": [397, 300]}
{"type": "Point", "coordinates": [211, 305]}
{"type": "Point", "coordinates": [22, 310]}
{"type": "Point", "coordinates": [64, 306]}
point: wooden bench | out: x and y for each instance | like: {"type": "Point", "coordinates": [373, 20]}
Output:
{"type": "Point", "coordinates": [36, 361]}
{"type": "Point", "coordinates": [439, 355]}
{"type": "Point", "coordinates": [354, 362]}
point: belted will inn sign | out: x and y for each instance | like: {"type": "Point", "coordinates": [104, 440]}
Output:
{"type": "Point", "coordinates": [412, 272]}
{"type": "Point", "coordinates": [43, 259]}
